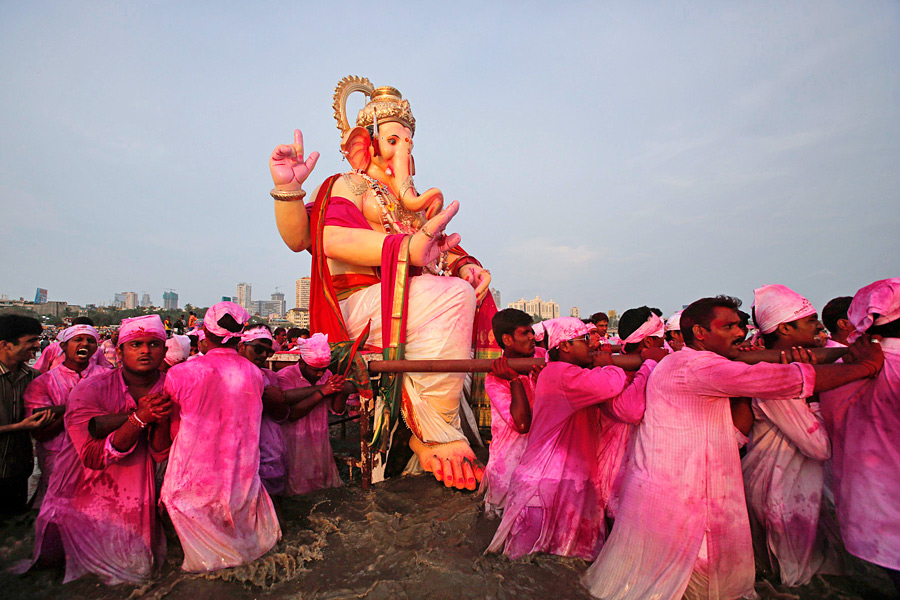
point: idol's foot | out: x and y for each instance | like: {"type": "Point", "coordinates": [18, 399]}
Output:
{"type": "Point", "coordinates": [454, 464]}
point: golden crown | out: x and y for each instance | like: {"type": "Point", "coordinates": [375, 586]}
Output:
{"type": "Point", "coordinates": [386, 103]}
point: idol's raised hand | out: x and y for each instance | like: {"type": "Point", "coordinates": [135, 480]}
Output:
{"type": "Point", "coordinates": [428, 243]}
{"type": "Point", "coordinates": [287, 166]}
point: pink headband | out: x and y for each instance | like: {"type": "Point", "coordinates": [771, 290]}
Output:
{"type": "Point", "coordinates": [257, 333]}
{"type": "Point", "coordinates": [652, 327]}
{"type": "Point", "coordinates": [563, 329]}
{"type": "Point", "coordinates": [67, 334]}
{"type": "Point", "coordinates": [137, 327]}
{"type": "Point", "coordinates": [219, 310]}
{"type": "Point", "coordinates": [315, 351]}
{"type": "Point", "coordinates": [881, 298]}
{"type": "Point", "coordinates": [777, 304]}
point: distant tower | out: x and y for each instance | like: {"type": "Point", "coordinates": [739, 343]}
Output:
{"type": "Point", "coordinates": [279, 298]}
{"type": "Point", "coordinates": [131, 301]}
{"type": "Point", "coordinates": [170, 300]}
{"type": "Point", "coordinates": [575, 312]}
{"type": "Point", "coordinates": [145, 301]}
{"type": "Point", "coordinates": [303, 287]}
{"type": "Point", "coordinates": [496, 294]}
{"type": "Point", "coordinates": [244, 295]}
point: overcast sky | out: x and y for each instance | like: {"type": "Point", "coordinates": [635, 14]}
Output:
{"type": "Point", "coordinates": [606, 155]}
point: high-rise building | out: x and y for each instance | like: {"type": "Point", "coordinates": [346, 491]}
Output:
{"type": "Point", "coordinates": [537, 308]}
{"type": "Point", "coordinates": [518, 304]}
{"type": "Point", "coordinates": [264, 308]}
{"type": "Point", "coordinates": [303, 286]}
{"type": "Point", "coordinates": [170, 300]}
{"type": "Point", "coordinates": [119, 300]}
{"type": "Point", "coordinates": [244, 296]}
{"type": "Point", "coordinates": [145, 301]}
{"type": "Point", "coordinates": [131, 301]}
{"type": "Point", "coordinates": [496, 294]}
{"type": "Point", "coordinates": [279, 298]}
{"type": "Point", "coordinates": [575, 312]}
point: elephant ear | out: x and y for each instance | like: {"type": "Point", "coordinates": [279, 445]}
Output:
{"type": "Point", "coordinates": [356, 147]}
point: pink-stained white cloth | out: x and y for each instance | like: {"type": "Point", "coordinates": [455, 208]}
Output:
{"type": "Point", "coordinates": [441, 313]}
{"type": "Point", "coordinates": [257, 333]}
{"type": "Point", "coordinates": [652, 327]}
{"type": "Point", "coordinates": [212, 490]}
{"type": "Point", "coordinates": [674, 322]}
{"type": "Point", "coordinates": [618, 421]}
{"type": "Point", "coordinates": [178, 348]}
{"type": "Point", "coordinates": [272, 450]}
{"type": "Point", "coordinates": [219, 310]}
{"type": "Point", "coordinates": [102, 501]}
{"type": "Point", "coordinates": [52, 389]}
{"type": "Point", "coordinates": [881, 298]}
{"type": "Point", "coordinates": [863, 419]}
{"type": "Point", "coordinates": [315, 351]}
{"type": "Point", "coordinates": [109, 352]}
{"type": "Point", "coordinates": [683, 483]}
{"type": "Point", "coordinates": [553, 501]}
{"type": "Point", "coordinates": [563, 329]}
{"type": "Point", "coordinates": [139, 327]}
{"type": "Point", "coordinates": [68, 333]}
{"type": "Point", "coordinates": [784, 471]}
{"type": "Point", "coordinates": [309, 459]}
{"type": "Point", "coordinates": [777, 304]}
{"type": "Point", "coordinates": [507, 444]}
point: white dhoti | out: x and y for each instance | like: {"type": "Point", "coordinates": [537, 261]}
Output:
{"type": "Point", "coordinates": [441, 312]}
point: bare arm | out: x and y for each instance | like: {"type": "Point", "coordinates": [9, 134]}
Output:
{"type": "Point", "coordinates": [293, 224]}
{"type": "Point", "coordinates": [36, 420]}
{"type": "Point", "coordinates": [742, 414]}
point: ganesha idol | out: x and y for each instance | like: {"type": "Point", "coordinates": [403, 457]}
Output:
{"type": "Point", "coordinates": [381, 259]}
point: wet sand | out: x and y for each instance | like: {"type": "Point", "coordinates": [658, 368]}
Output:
{"type": "Point", "coordinates": [408, 537]}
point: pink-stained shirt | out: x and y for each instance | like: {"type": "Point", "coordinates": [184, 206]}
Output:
{"type": "Point", "coordinates": [109, 352]}
{"type": "Point", "coordinates": [272, 458]}
{"type": "Point", "coordinates": [103, 501]}
{"type": "Point", "coordinates": [309, 457]}
{"type": "Point", "coordinates": [553, 502]}
{"type": "Point", "coordinates": [212, 491]}
{"type": "Point", "coordinates": [863, 419]}
{"type": "Point", "coordinates": [507, 444]}
{"type": "Point", "coordinates": [618, 421]}
{"type": "Point", "coordinates": [683, 483]}
{"type": "Point", "coordinates": [52, 389]}
{"type": "Point", "coordinates": [784, 472]}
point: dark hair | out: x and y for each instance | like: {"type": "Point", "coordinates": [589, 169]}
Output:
{"type": "Point", "coordinates": [304, 331]}
{"type": "Point", "coordinates": [82, 321]}
{"type": "Point", "coordinates": [630, 321]}
{"type": "Point", "coordinates": [294, 332]}
{"type": "Point", "coordinates": [506, 321]}
{"type": "Point", "coordinates": [257, 326]}
{"type": "Point", "coordinates": [656, 311]}
{"type": "Point", "coordinates": [888, 330]}
{"type": "Point", "coordinates": [12, 327]}
{"type": "Point", "coordinates": [599, 316]}
{"type": "Point", "coordinates": [279, 330]}
{"type": "Point", "coordinates": [701, 312]}
{"type": "Point", "coordinates": [834, 311]}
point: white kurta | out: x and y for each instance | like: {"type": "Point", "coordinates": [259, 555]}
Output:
{"type": "Point", "coordinates": [683, 484]}
{"type": "Point", "coordinates": [784, 472]}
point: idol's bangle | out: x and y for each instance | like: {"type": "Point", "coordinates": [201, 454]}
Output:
{"type": "Point", "coordinates": [461, 262]}
{"type": "Point", "coordinates": [287, 195]}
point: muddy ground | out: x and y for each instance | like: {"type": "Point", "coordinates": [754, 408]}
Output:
{"type": "Point", "coordinates": [406, 538]}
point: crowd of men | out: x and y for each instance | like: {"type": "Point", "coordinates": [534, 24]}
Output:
{"type": "Point", "coordinates": [711, 447]}
{"type": "Point", "coordinates": [164, 423]}
{"type": "Point", "coordinates": [668, 457]}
